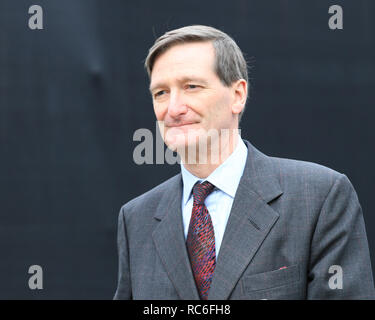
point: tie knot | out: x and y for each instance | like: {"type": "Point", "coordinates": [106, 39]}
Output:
{"type": "Point", "coordinates": [201, 191]}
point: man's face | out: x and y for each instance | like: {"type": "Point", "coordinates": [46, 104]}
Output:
{"type": "Point", "coordinates": [188, 96]}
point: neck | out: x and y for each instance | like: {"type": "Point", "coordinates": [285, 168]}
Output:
{"type": "Point", "coordinates": [202, 169]}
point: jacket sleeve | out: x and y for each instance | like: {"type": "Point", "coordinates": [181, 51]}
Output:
{"type": "Point", "coordinates": [340, 265]}
{"type": "Point", "coordinates": [123, 291]}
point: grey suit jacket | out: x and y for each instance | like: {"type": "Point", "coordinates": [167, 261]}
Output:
{"type": "Point", "coordinates": [290, 222]}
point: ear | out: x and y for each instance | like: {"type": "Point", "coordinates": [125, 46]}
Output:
{"type": "Point", "coordinates": [239, 95]}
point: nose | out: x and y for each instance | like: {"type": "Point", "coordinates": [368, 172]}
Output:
{"type": "Point", "coordinates": [176, 106]}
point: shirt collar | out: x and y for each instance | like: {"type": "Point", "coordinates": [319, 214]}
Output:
{"type": "Point", "coordinates": [226, 177]}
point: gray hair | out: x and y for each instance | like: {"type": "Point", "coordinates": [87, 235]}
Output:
{"type": "Point", "coordinates": [230, 64]}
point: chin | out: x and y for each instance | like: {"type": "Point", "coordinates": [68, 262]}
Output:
{"type": "Point", "coordinates": [176, 142]}
{"type": "Point", "coordinates": [188, 145]}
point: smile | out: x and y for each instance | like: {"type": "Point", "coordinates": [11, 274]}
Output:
{"type": "Point", "coordinates": [181, 125]}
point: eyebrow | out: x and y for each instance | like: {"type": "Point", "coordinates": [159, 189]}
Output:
{"type": "Point", "coordinates": [181, 80]}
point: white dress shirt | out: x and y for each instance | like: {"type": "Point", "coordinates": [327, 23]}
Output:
{"type": "Point", "coordinates": [226, 179]}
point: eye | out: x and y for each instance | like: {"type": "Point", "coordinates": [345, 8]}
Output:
{"type": "Point", "coordinates": [159, 93]}
{"type": "Point", "coordinates": [192, 86]}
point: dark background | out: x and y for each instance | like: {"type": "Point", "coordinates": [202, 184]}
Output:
{"type": "Point", "coordinates": [72, 95]}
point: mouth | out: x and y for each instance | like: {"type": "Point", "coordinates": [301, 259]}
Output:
{"type": "Point", "coordinates": [178, 125]}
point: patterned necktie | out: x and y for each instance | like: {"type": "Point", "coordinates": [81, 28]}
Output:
{"type": "Point", "coordinates": [200, 240]}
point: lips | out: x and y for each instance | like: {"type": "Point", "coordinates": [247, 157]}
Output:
{"type": "Point", "coordinates": [180, 124]}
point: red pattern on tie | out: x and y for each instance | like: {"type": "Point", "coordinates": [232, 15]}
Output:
{"type": "Point", "coordinates": [201, 240]}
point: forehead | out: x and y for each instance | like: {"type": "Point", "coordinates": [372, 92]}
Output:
{"type": "Point", "coordinates": [184, 60]}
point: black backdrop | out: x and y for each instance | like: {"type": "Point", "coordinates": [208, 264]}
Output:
{"type": "Point", "coordinates": [72, 95]}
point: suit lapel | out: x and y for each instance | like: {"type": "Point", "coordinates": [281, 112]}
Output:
{"type": "Point", "coordinates": [170, 241]}
{"type": "Point", "coordinates": [249, 223]}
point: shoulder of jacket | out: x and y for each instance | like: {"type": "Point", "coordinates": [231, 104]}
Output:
{"type": "Point", "coordinates": [152, 196]}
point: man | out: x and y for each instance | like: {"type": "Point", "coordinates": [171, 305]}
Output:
{"type": "Point", "coordinates": [243, 225]}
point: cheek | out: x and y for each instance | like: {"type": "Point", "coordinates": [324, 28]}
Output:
{"type": "Point", "coordinates": [220, 112]}
{"type": "Point", "coordinates": [220, 106]}
{"type": "Point", "coordinates": [159, 111]}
